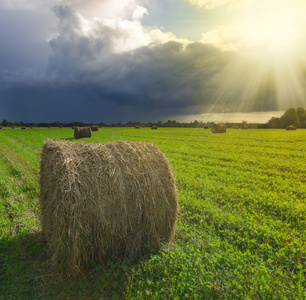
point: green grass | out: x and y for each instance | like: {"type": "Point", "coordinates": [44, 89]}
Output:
{"type": "Point", "coordinates": [241, 229]}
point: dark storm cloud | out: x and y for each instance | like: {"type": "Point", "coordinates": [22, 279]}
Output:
{"type": "Point", "coordinates": [23, 38]}
{"type": "Point", "coordinates": [88, 76]}
{"type": "Point", "coordinates": [87, 79]}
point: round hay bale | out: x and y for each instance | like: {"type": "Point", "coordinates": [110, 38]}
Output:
{"type": "Point", "coordinates": [137, 127]}
{"type": "Point", "coordinates": [218, 128]}
{"type": "Point", "coordinates": [94, 128]}
{"type": "Point", "coordinates": [236, 127]}
{"type": "Point", "coordinates": [101, 201]}
{"type": "Point", "coordinates": [291, 127]}
{"type": "Point", "coordinates": [205, 127]}
{"type": "Point", "coordinates": [82, 132]}
{"type": "Point", "coordinates": [154, 127]}
{"type": "Point", "coordinates": [0, 127]}
{"type": "Point", "coordinates": [244, 127]}
{"type": "Point", "coordinates": [23, 128]}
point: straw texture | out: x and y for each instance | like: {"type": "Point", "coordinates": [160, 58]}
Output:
{"type": "Point", "coordinates": [82, 132]}
{"type": "Point", "coordinates": [94, 128]}
{"type": "Point", "coordinates": [102, 201]}
{"type": "Point", "coordinates": [218, 128]}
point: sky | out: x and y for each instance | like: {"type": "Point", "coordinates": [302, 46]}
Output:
{"type": "Point", "coordinates": [149, 60]}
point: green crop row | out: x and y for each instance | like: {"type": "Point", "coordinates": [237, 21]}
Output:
{"type": "Point", "coordinates": [241, 229]}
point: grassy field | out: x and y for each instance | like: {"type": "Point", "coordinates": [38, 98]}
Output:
{"type": "Point", "coordinates": [241, 230]}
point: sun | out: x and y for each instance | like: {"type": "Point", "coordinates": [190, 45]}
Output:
{"type": "Point", "coordinates": [273, 26]}
{"type": "Point", "coordinates": [267, 41]}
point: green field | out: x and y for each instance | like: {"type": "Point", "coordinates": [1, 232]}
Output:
{"type": "Point", "coordinates": [241, 229]}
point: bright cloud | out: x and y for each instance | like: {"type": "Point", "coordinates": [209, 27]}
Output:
{"type": "Point", "coordinates": [225, 38]}
{"type": "Point", "coordinates": [210, 4]}
{"type": "Point", "coordinates": [93, 60]}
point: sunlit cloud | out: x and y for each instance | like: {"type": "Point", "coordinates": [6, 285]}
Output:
{"type": "Point", "coordinates": [254, 117]}
{"type": "Point", "coordinates": [225, 38]}
{"type": "Point", "coordinates": [210, 4]}
{"type": "Point", "coordinates": [100, 52]}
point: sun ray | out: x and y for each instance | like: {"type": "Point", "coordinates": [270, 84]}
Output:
{"type": "Point", "coordinates": [267, 67]}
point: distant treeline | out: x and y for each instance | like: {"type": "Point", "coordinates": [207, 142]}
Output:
{"type": "Point", "coordinates": [292, 116]}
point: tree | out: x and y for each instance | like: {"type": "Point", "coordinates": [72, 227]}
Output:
{"type": "Point", "coordinates": [4, 122]}
{"type": "Point", "coordinates": [291, 116]}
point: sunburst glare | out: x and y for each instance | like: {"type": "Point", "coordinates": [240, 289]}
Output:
{"type": "Point", "coordinates": [267, 67]}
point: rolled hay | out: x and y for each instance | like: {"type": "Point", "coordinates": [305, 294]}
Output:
{"type": "Point", "coordinates": [154, 127]}
{"type": "Point", "coordinates": [244, 127]}
{"type": "Point", "coordinates": [291, 127]}
{"type": "Point", "coordinates": [94, 128]}
{"type": "Point", "coordinates": [0, 127]}
{"type": "Point", "coordinates": [218, 128]}
{"type": "Point", "coordinates": [23, 128]}
{"type": "Point", "coordinates": [104, 201]}
{"type": "Point", "coordinates": [82, 132]}
{"type": "Point", "coordinates": [205, 127]}
{"type": "Point", "coordinates": [236, 127]}
{"type": "Point", "coordinates": [137, 127]}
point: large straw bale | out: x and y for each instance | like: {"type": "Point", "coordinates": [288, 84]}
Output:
{"type": "Point", "coordinates": [137, 127]}
{"type": "Point", "coordinates": [104, 201]}
{"type": "Point", "coordinates": [154, 127]}
{"type": "Point", "coordinates": [94, 128]}
{"type": "Point", "coordinates": [23, 128]}
{"type": "Point", "coordinates": [82, 132]}
{"type": "Point", "coordinates": [291, 127]}
{"type": "Point", "coordinates": [244, 127]}
{"type": "Point", "coordinates": [205, 127]}
{"type": "Point", "coordinates": [218, 128]}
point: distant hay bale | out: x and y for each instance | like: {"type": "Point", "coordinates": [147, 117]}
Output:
{"type": "Point", "coordinates": [154, 127]}
{"type": "Point", "coordinates": [0, 127]}
{"type": "Point", "coordinates": [137, 127]}
{"type": "Point", "coordinates": [104, 201]}
{"type": "Point", "coordinates": [236, 127]}
{"type": "Point", "coordinates": [244, 127]}
{"type": "Point", "coordinates": [31, 127]}
{"type": "Point", "coordinates": [218, 128]}
{"type": "Point", "coordinates": [94, 128]}
{"type": "Point", "coordinates": [205, 127]}
{"type": "Point", "coordinates": [49, 127]}
{"type": "Point", "coordinates": [23, 128]}
{"type": "Point", "coordinates": [82, 132]}
{"type": "Point", "coordinates": [291, 127]}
